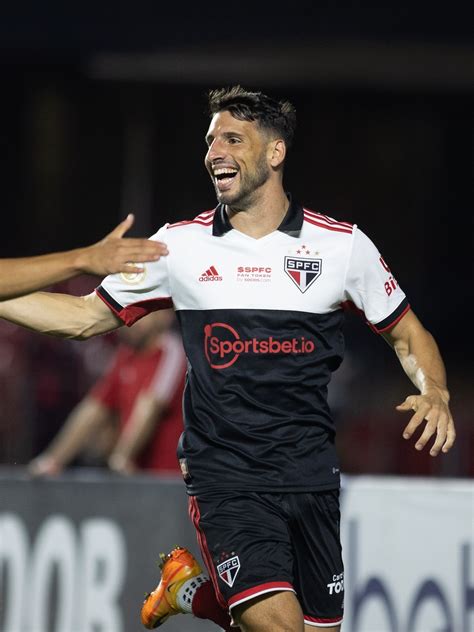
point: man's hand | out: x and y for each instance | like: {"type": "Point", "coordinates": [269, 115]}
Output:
{"type": "Point", "coordinates": [421, 360]}
{"type": "Point", "coordinates": [115, 253]}
{"type": "Point", "coordinates": [433, 407]}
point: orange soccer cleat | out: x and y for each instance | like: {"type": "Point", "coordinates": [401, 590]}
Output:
{"type": "Point", "coordinates": [177, 568]}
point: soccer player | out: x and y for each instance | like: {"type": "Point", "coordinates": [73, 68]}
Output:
{"type": "Point", "coordinates": [23, 275]}
{"type": "Point", "coordinates": [260, 285]}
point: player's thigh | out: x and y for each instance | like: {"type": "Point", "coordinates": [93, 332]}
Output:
{"type": "Point", "coordinates": [337, 628]}
{"type": "Point", "coordinates": [245, 544]}
{"type": "Point", "coordinates": [276, 612]}
{"type": "Point", "coordinates": [318, 571]}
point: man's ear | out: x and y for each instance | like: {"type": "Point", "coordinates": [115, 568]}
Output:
{"type": "Point", "coordinates": [277, 152]}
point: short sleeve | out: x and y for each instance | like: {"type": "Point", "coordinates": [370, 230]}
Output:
{"type": "Point", "coordinates": [371, 286]}
{"type": "Point", "coordinates": [132, 296]}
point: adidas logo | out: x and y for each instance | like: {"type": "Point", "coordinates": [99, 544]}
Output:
{"type": "Point", "coordinates": [210, 275]}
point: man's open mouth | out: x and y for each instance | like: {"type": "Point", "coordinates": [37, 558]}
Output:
{"type": "Point", "coordinates": [224, 176]}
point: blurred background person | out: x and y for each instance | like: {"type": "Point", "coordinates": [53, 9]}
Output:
{"type": "Point", "coordinates": [131, 418]}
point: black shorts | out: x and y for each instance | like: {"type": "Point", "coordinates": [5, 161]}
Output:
{"type": "Point", "coordinates": [255, 543]}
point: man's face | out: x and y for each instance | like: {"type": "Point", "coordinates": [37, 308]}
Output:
{"type": "Point", "coordinates": [236, 159]}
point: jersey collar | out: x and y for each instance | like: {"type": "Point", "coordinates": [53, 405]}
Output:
{"type": "Point", "coordinates": [291, 224]}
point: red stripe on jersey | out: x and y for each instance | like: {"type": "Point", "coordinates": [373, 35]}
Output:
{"type": "Point", "coordinates": [338, 228]}
{"type": "Point", "coordinates": [205, 219]}
{"type": "Point", "coordinates": [206, 214]}
{"type": "Point", "coordinates": [191, 221]}
{"type": "Point", "coordinates": [326, 218]}
{"type": "Point", "coordinates": [259, 590]}
{"type": "Point", "coordinates": [214, 271]}
{"type": "Point", "coordinates": [329, 220]}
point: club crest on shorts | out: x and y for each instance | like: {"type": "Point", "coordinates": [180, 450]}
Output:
{"type": "Point", "coordinates": [303, 271]}
{"type": "Point", "coordinates": [228, 570]}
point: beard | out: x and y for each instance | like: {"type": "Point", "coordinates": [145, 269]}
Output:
{"type": "Point", "coordinates": [243, 198]}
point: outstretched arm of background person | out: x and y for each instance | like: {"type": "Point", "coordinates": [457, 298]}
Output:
{"type": "Point", "coordinates": [80, 428]}
{"type": "Point", "coordinates": [145, 417]}
{"type": "Point", "coordinates": [421, 360]}
{"type": "Point", "coordinates": [112, 254]}
{"type": "Point", "coordinates": [61, 315]}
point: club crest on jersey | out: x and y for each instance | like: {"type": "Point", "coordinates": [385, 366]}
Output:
{"type": "Point", "coordinates": [303, 271]}
{"type": "Point", "coordinates": [228, 570]}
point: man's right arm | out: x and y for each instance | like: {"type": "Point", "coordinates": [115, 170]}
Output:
{"type": "Point", "coordinates": [61, 315]}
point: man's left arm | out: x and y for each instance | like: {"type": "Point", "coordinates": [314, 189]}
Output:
{"type": "Point", "coordinates": [422, 362]}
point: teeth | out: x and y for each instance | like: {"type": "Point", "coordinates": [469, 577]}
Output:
{"type": "Point", "coordinates": [220, 172]}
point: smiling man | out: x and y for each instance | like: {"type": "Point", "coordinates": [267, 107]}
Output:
{"type": "Point", "coordinates": [260, 285]}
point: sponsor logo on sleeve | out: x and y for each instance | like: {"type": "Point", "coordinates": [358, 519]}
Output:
{"type": "Point", "coordinates": [391, 284]}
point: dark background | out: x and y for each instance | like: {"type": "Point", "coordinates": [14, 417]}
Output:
{"type": "Point", "coordinates": [103, 112]}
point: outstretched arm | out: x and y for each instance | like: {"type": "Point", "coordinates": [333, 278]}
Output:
{"type": "Point", "coordinates": [112, 254]}
{"type": "Point", "coordinates": [421, 360]}
{"type": "Point", "coordinates": [61, 315]}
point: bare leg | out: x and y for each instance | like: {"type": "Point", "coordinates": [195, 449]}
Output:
{"type": "Point", "coordinates": [312, 628]}
{"type": "Point", "coordinates": [274, 612]}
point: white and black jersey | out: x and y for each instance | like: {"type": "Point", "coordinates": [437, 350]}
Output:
{"type": "Point", "coordinates": [261, 321]}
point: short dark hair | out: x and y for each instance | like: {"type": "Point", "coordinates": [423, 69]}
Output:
{"type": "Point", "coordinates": [273, 115]}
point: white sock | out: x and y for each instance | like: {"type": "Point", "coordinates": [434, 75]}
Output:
{"type": "Point", "coordinates": [187, 591]}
